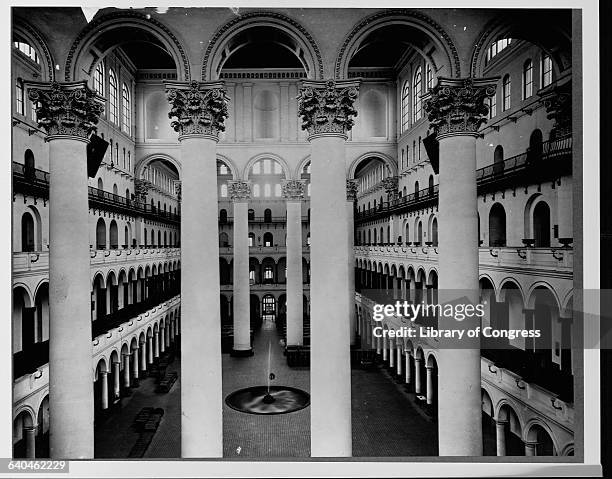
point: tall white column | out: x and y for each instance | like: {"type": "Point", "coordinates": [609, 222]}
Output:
{"type": "Point", "coordinates": [407, 368]}
{"type": "Point", "coordinates": [29, 433]}
{"type": "Point", "coordinates": [71, 110]}
{"type": "Point", "coordinates": [456, 108]}
{"type": "Point", "coordinates": [500, 435]}
{"type": "Point", "coordinates": [430, 391]}
{"type": "Point", "coordinates": [330, 414]}
{"type": "Point", "coordinates": [200, 109]}
{"type": "Point", "coordinates": [417, 375]}
{"type": "Point", "coordinates": [126, 370]}
{"type": "Point", "coordinates": [135, 365]}
{"type": "Point", "coordinates": [156, 344]}
{"type": "Point", "coordinates": [103, 389]}
{"type": "Point", "coordinates": [143, 356]}
{"type": "Point", "coordinates": [240, 193]}
{"type": "Point", "coordinates": [116, 379]}
{"type": "Point", "coordinates": [351, 196]}
{"type": "Point", "coordinates": [399, 359]}
{"type": "Point", "coordinates": [293, 192]}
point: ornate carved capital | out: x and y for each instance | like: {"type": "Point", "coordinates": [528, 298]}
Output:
{"type": "Point", "coordinates": [141, 187]}
{"type": "Point", "coordinates": [66, 109]}
{"type": "Point", "coordinates": [200, 108]}
{"type": "Point", "coordinates": [239, 190]}
{"type": "Point", "coordinates": [558, 103]}
{"type": "Point", "coordinates": [352, 188]}
{"type": "Point", "coordinates": [390, 185]}
{"type": "Point", "coordinates": [177, 189]}
{"type": "Point", "coordinates": [456, 106]}
{"type": "Point", "coordinates": [326, 107]}
{"type": "Point", "coordinates": [293, 189]}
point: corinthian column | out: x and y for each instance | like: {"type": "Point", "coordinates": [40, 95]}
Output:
{"type": "Point", "coordinates": [240, 193]}
{"type": "Point", "coordinates": [456, 109]}
{"type": "Point", "coordinates": [351, 195]}
{"type": "Point", "coordinates": [69, 112]}
{"type": "Point", "coordinates": [327, 113]}
{"type": "Point", "coordinates": [293, 192]}
{"type": "Point", "coordinates": [200, 110]}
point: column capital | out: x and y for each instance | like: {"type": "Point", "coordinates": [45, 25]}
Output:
{"type": "Point", "coordinates": [456, 106]}
{"type": "Point", "coordinates": [200, 108]}
{"type": "Point", "coordinates": [239, 190]}
{"type": "Point", "coordinates": [557, 100]}
{"type": "Point", "coordinates": [352, 188]}
{"type": "Point", "coordinates": [66, 110]}
{"type": "Point", "coordinates": [141, 187]}
{"type": "Point", "coordinates": [326, 107]}
{"type": "Point", "coordinates": [103, 373]}
{"type": "Point", "coordinates": [390, 185]}
{"type": "Point", "coordinates": [293, 190]}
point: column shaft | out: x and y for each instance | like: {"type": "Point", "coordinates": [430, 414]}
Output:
{"type": "Point", "coordinates": [331, 433]}
{"type": "Point", "coordinates": [126, 370]}
{"type": "Point", "coordinates": [295, 292]}
{"type": "Point", "coordinates": [104, 389]}
{"type": "Point", "coordinates": [71, 401]}
{"type": "Point", "coordinates": [242, 321]}
{"type": "Point", "coordinates": [116, 379]}
{"type": "Point", "coordinates": [500, 430]}
{"type": "Point", "coordinates": [30, 440]}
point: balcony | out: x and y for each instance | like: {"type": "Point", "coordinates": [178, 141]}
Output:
{"type": "Point", "coordinates": [34, 182]}
{"type": "Point", "coordinates": [553, 161]}
{"type": "Point", "coordinates": [271, 220]}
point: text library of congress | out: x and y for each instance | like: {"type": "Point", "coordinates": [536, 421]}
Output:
{"type": "Point", "coordinates": [210, 206]}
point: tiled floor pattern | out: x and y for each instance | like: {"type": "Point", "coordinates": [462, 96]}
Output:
{"type": "Point", "coordinates": [385, 423]}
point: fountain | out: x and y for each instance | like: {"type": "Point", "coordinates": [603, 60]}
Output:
{"type": "Point", "coordinates": [268, 399]}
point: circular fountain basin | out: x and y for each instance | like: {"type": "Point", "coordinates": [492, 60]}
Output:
{"type": "Point", "coordinates": [256, 400]}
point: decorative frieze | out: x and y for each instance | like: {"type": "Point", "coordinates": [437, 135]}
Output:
{"type": "Point", "coordinates": [239, 190]}
{"type": "Point", "coordinates": [457, 105]}
{"type": "Point", "coordinates": [293, 189]}
{"type": "Point", "coordinates": [326, 107]}
{"type": "Point", "coordinates": [66, 109]}
{"type": "Point", "coordinates": [199, 108]}
{"type": "Point", "coordinates": [352, 188]}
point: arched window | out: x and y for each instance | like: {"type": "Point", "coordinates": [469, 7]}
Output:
{"type": "Point", "coordinates": [19, 98]}
{"type": "Point", "coordinates": [416, 190]}
{"type": "Point", "coordinates": [126, 237]}
{"type": "Point", "coordinates": [29, 164]}
{"type": "Point", "coordinates": [405, 106]}
{"type": "Point", "coordinates": [27, 233]}
{"type": "Point", "coordinates": [101, 234]}
{"type": "Point", "coordinates": [256, 191]}
{"type": "Point", "coordinates": [420, 232]}
{"type": "Point", "coordinates": [223, 216]}
{"type": "Point", "coordinates": [527, 79]}
{"type": "Point", "coordinates": [541, 225]}
{"type": "Point", "coordinates": [534, 153]}
{"type": "Point", "coordinates": [430, 188]}
{"type": "Point", "coordinates": [267, 190]}
{"type": "Point", "coordinates": [251, 215]}
{"type": "Point", "coordinates": [546, 69]}
{"type": "Point", "coordinates": [126, 117]}
{"type": "Point", "coordinates": [268, 239]}
{"type": "Point", "coordinates": [146, 239]}
{"type": "Point", "coordinates": [165, 239]}
{"type": "Point", "coordinates": [434, 232]}
{"type": "Point", "coordinates": [98, 79]}
{"type": "Point", "coordinates": [115, 190]}
{"type": "Point", "coordinates": [492, 104]}
{"type": "Point", "coordinates": [497, 225]}
{"type": "Point", "coordinates": [251, 239]}
{"type": "Point", "coordinates": [506, 86]}
{"type": "Point", "coordinates": [498, 160]}
{"type": "Point", "coordinates": [407, 233]}
{"type": "Point", "coordinates": [159, 243]}
{"type": "Point", "coordinates": [152, 238]}
{"type": "Point", "coordinates": [267, 215]}
{"type": "Point", "coordinates": [114, 235]}
{"type": "Point", "coordinates": [416, 96]}
{"type": "Point", "coordinates": [113, 109]}
{"type": "Point", "coordinates": [428, 76]}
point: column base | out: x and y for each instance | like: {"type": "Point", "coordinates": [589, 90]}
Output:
{"type": "Point", "coordinates": [241, 353]}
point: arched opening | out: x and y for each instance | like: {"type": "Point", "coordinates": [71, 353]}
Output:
{"type": "Point", "coordinates": [534, 152]}
{"type": "Point", "coordinates": [223, 216]}
{"type": "Point", "coordinates": [498, 160]}
{"type": "Point", "coordinates": [268, 307]}
{"type": "Point", "coordinates": [497, 226]}
{"type": "Point", "coordinates": [223, 240]}
{"type": "Point", "coordinates": [541, 225]}
{"type": "Point", "coordinates": [29, 164]}
{"type": "Point", "coordinates": [114, 235]}
{"type": "Point", "coordinates": [100, 234]}
{"type": "Point", "coordinates": [434, 232]}
{"type": "Point", "coordinates": [268, 239]}
{"type": "Point", "coordinates": [267, 215]}
{"type": "Point", "coordinates": [510, 428]}
{"type": "Point", "coordinates": [27, 233]}
{"type": "Point", "coordinates": [540, 442]}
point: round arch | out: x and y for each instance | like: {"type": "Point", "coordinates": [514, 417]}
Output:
{"type": "Point", "coordinates": [445, 61]}
{"type": "Point", "coordinates": [23, 29]}
{"type": "Point", "coordinates": [266, 156]}
{"type": "Point", "coordinates": [529, 26]}
{"type": "Point", "coordinates": [213, 60]}
{"type": "Point", "coordinates": [231, 165]}
{"type": "Point", "coordinates": [76, 60]}
{"type": "Point", "coordinates": [144, 162]}
{"type": "Point", "coordinates": [389, 162]}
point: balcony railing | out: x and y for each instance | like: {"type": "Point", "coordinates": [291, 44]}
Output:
{"type": "Point", "coordinates": [527, 166]}
{"type": "Point", "coordinates": [262, 219]}
{"type": "Point", "coordinates": [34, 181]}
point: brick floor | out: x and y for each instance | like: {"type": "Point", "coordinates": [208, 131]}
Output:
{"type": "Point", "coordinates": [385, 423]}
